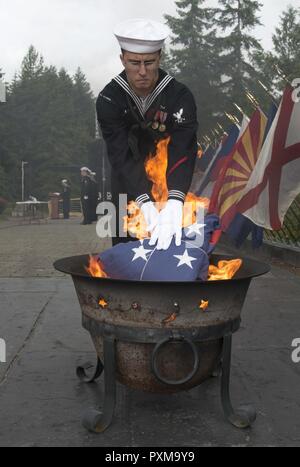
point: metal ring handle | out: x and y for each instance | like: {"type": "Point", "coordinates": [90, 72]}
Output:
{"type": "Point", "coordinates": [154, 361]}
{"type": "Point", "coordinates": [81, 372]}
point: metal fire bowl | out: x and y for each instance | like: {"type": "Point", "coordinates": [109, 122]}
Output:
{"type": "Point", "coordinates": [151, 355]}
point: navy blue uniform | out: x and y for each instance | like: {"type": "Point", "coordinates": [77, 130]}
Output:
{"type": "Point", "coordinates": [131, 128]}
{"type": "Point", "coordinates": [66, 195]}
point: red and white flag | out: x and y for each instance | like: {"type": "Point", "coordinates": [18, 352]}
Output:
{"type": "Point", "coordinates": [275, 180]}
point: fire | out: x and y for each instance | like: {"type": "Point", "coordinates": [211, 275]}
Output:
{"type": "Point", "coordinates": [103, 303]}
{"type": "Point", "coordinates": [156, 170]}
{"type": "Point", "coordinates": [135, 223]}
{"type": "Point", "coordinates": [225, 270]}
{"type": "Point", "coordinates": [200, 153]}
{"type": "Point", "coordinates": [203, 305]}
{"type": "Point", "coordinates": [191, 206]}
{"type": "Point", "coordinates": [170, 318]}
{"type": "Point", "coordinates": [95, 268]}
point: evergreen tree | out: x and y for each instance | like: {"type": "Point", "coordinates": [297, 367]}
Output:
{"type": "Point", "coordinates": [237, 19]}
{"type": "Point", "coordinates": [286, 41]}
{"type": "Point", "coordinates": [193, 58]}
{"type": "Point", "coordinates": [48, 121]}
{"type": "Point", "coordinates": [32, 65]}
{"type": "Point", "coordinates": [274, 68]}
{"type": "Point", "coordinates": [264, 64]}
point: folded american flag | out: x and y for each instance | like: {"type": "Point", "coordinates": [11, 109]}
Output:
{"type": "Point", "coordinates": [188, 262]}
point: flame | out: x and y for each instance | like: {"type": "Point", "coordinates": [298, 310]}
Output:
{"type": "Point", "coordinates": [170, 318]}
{"type": "Point", "coordinates": [134, 222]}
{"type": "Point", "coordinates": [191, 206]}
{"type": "Point", "coordinates": [225, 270]}
{"type": "Point", "coordinates": [95, 268]}
{"type": "Point", "coordinates": [156, 170]}
{"type": "Point", "coordinates": [200, 153]}
{"type": "Point", "coordinates": [203, 305]}
{"type": "Point", "coordinates": [103, 303]}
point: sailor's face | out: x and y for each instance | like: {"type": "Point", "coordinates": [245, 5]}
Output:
{"type": "Point", "coordinates": [141, 70]}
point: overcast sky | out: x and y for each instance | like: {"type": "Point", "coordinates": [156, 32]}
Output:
{"type": "Point", "coordinates": [72, 33]}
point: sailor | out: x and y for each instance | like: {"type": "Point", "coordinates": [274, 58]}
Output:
{"type": "Point", "coordinates": [66, 195]}
{"type": "Point", "coordinates": [86, 196]}
{"type": "Point", "coordinates": [94, 195]}
{"type": "Point", "coordinates": [136, 110]}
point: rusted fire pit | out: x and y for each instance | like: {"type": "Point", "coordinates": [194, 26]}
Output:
{"type": "Point", "coordinates": [137, 344]}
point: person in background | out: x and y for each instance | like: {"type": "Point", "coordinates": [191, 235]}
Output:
{"type": "Point", "coordinates": [86, 196]}
{"type": "Point", "coordinates": [66, 197]}
{"type": "Point", "coordinates": [94, 196]}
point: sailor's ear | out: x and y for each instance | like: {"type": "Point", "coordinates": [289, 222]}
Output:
{"type": "Point", "coordinates": [122, 58]}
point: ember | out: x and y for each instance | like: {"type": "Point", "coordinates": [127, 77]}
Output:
{"type": "Point", "coordinates": [225, 270]}
{"type": "Point", "coordinates": [170, 318]}
{"type": "Point", "coordinates": [103, 303]}
{"type": "Point", "coordinates": [95, 268]}
{"type": "Point", "coordinates": [203, 305]}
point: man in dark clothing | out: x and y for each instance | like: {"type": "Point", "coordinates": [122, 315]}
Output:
{"type": "Point", "coordinates": [66, 196]}
{"type": "Point", "coordinates": [86, 196]}
{"type": "Point", "coordinates": [94, 196]}
{"type": "Point", "coordinates": [136, 110]}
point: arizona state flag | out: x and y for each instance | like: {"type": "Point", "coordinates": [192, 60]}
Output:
{"type": "Point", "coordinates": [237, 170]}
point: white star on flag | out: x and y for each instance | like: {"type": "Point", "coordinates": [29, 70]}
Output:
{"type": "Point", "coordinates": [140, 252]}
{"type": "Point", "coordinates": [196, 229]}
{"type": "Point", "coordinates": [185, 259]}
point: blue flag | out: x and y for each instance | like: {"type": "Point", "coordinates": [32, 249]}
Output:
{"type": "Point", "coordinates": [187, 262]}
{"type": "Point", "coordinates": [223, 151]}
{"type": "Point", "coordinates": [206, 158]}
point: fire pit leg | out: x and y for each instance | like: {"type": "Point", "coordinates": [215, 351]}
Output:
{"type": "Point", "coordinates": [81, 372]}
{"type": "Point", "coordinates": [245, 415]}
{"type": "Point", "coordinates": [94, 420]}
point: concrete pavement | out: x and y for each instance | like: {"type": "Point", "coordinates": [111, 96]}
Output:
{"type": "Point", "coordinates": [41, 400]}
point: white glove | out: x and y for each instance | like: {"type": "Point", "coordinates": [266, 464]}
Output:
{"type": "Point", "coordinates": [169, 224]}
{"type": "Point", "coordinates": [151, 215]}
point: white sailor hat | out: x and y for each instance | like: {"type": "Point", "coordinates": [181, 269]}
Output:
{"type": "Point", "coordinates": [141, 35]}
{"type": "Point", "coordinates": [85, 169]}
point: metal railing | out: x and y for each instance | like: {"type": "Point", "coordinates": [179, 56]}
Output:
{"type": "Point", "coordinates": [289, 235]}
{"type": "Point", "coordinates": [75, 206]}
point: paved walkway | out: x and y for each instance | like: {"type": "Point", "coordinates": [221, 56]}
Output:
{"type": "Point", "coordinates": [42, 400]}
{"type": "Point", "coordinates": [30, 250]}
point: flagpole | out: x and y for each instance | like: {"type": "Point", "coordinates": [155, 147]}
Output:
{"type": "Point", "coordinates": [221, 128]}
{"type": "Point", "coordinates": [282, 75]}
{"type": "Point", "coordinates": [252, 100]}
{"type": "Point", "coordinates": [232, 118]}
{"type": "Point", "coordinates": [207, 171]}
{"type": "Point", "coordinates": [239, 108]}
{"type": "Point", "coordinates": [268, 93]}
